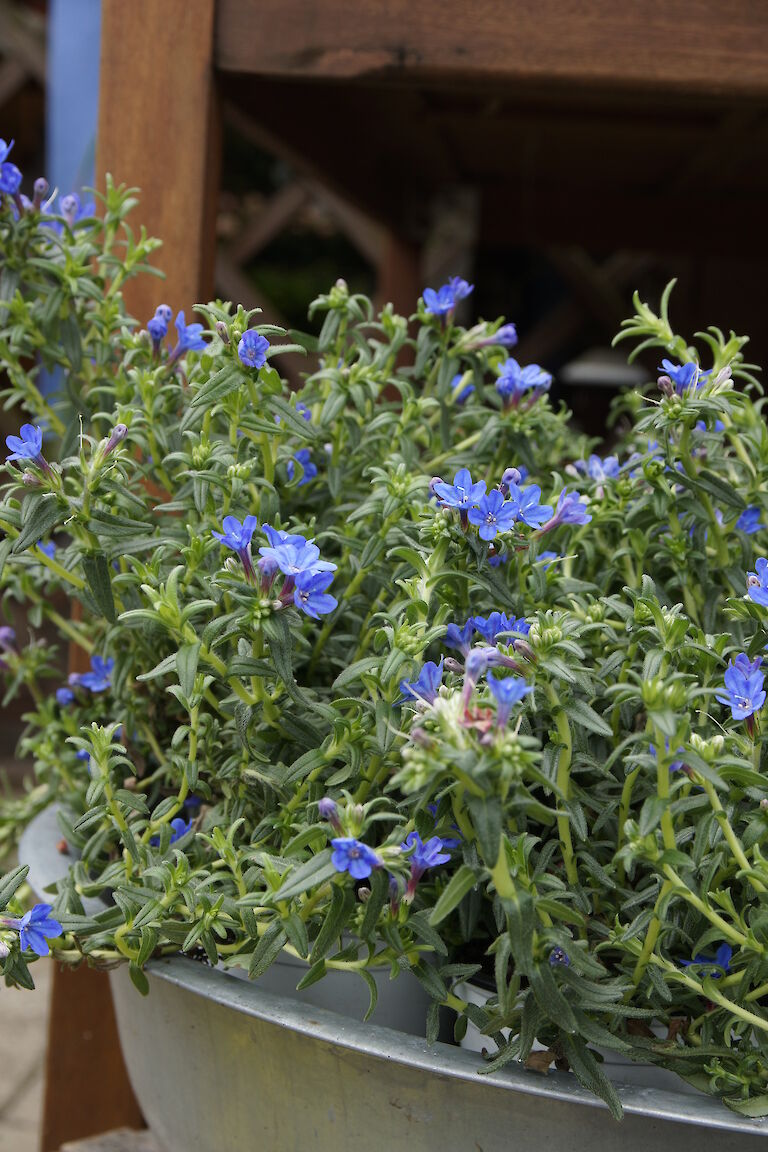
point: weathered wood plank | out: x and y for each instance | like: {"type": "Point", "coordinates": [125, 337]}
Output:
{"type": "Point", "coordinates": [706, 45]}
{"type": "Point", "coordinates": [158, 129]}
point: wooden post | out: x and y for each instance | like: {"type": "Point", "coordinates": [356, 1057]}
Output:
{"type": "Point", "coordinates": [158, 130]}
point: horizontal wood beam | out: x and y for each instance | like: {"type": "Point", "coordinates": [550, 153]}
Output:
{"type": "Point", "coordinates": [701, 45]}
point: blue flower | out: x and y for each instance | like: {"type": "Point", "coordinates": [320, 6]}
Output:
{"type": "Point", "coordinates": [465, 393]}
{"type": "Point", "coordinates": [445, 299]}
{"type": "Point", "coordinates": [722, 959]}
{"type": "Point", "coordinates": [745, 665]}
{"type": "Point", "coordinates": [158, 330]}
{"type": "Point", "coordinates": [490, 627]}
{"type": "Point", "coordinates": [506, 336]}
{"type": "Point", "coordinates": [493, 514]}
{"type": "Point", "coordinates": [35, 928]}
{"type": "Point", "coordinates": [276, 536]}
{"type": "Point", "coordinates": [545, 559]}
{"type": "Point", "coordinates": [675, 765]}
{"type": "Point", "coordinates": [10, 176]}
{"type": "Point", "coordinates": [309, 593]}
{"type": "Point", "coordinates": [460, 638]}
{"type": "Point", "coordinates": [598, 468]}
{"type": "Point", "coordinates": [64, 696]}
{"type": "Point", "coordinates": [303, 411]}
{"type": "Point", "coordinates": [462, 494]}
{"type": "Point", "coordinates": [179, 828]}
{"type": "Point", "coordinates": [514, 380]}
{"type": "Point", "coordinates": [294, 558]}
{"type": "Point", "coordinates": [460, 288]}
{"type": "Point", "coordinates": [98, 679]}
{"type": "Point", "coordinates": [427, 854]}
{"type": "Point", "coordinates": [757, 582]}
{"type": "Point", "coordinates": [49, 549]}
{"type": "Point", "coordinates": [309, 469]}
{"type": "Point", "coordinates": [570, 509]}
{"type": "Point", "coordinates": [74, 211]}
{"type": "Point", "coordinates": [252, 349]}
{"type": "Point", "coordinates": [559, 957]}
{"type": "Point", "coordinates": [28, 445]}
{"type": "Point", "coordinates": [507, 692]}
{"type": "Point", "coordinates": [749, 521]}
{"type": "Point", "coordinates": [684, 376]}
{"type": "Point", "coordinates": [164, 313]}
{"type": "Point", "coordinates": [744, 692]}
{"type": "Point", "coordinates": [190, 337]}
{"type": "Point", "coordinates": [701, 426]}
{"type": "Point", "coordinates": [350, 855]}
{"type": "Point", "coordinates": [236, 535]}
{"type": "Point", "coordinates": [425, 687]}
{"type": "Point", "coordinates": [528, 509]}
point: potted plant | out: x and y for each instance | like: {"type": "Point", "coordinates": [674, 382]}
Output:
{"type": "Point", "coordinates": [395, 672]}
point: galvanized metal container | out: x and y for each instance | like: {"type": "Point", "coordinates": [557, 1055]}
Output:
{"type": "Point", "coordinates": [220, 1064]}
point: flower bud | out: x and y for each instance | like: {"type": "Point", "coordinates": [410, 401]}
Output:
{"type": "Point", "coordinates": [119, 433]}
{"type": "Point", "coordinates": [222, 331]}
{"type": "Point", "coordinates": [31, 480]}
{"type": "Point", "coordinates": [164, 312]}
{"type": "Point", "coordinates": [666, 386]}
{"type": "Point", "coordinates": [40, 192]}
{"type": "Point", "coordinates": [4, 950]}
{"type": "Point", "coordinates": [764, 804]}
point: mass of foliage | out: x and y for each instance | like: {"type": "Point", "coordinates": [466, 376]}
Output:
{"type": "Point", "coordinates": [392, 669]}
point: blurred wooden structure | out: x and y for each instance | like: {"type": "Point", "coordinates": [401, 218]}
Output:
{"type": "Point", "coordinates": [571, 124]}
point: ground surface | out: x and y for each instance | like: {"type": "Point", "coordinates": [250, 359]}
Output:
{"type": "Point", "coordinates": [23, 1028]}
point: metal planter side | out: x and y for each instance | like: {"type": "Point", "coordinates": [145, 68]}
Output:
{"type": "Point", "coordinates": [217, 1064]}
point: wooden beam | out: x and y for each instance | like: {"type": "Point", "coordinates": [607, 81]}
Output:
{"type": "Point", "coordinates": [702, 45]}
{"type": "Point", "coordinates": [86, 1084]}
{"type": "Point", "coordinates": [159, 129]}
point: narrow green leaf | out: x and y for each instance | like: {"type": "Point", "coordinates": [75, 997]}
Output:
{"type": "Point", "coordinates": [96, 572]}
{"type": "Point", "coordinates": [460, 883]}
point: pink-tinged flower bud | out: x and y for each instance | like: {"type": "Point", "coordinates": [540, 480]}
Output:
{"type": "Point", "coordinates": [31, 481]}
{"type": "Point", "coordinates": [40, 192]}
{"type": "Point", "coordinates": [666, 386]}
{"type": "Point", "coordinates": [222, 331]}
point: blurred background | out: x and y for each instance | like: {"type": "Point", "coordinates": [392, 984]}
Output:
{"type": "Point", "coordinates": [339, 147]}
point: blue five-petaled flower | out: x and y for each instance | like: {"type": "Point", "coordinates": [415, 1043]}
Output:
{"type": "Point", "coordinates": [309, 470]}
{"type": "Point", "coordinates": [749, 521]}
{"type": "Point", "coordinates": [350, 855]}
{"type": "Point", "coordinates": [190, 337]}
{"type": "Point", "coordinates": [310, 596]}
{"type": "Point", "coordinates": [721, 960]}
{"type": "Point", "coordinates": [252, 349]}
{"type": "Point", "coordinates": [757, 582]}
{"type": "Point", "coordinates": [684, 376]}
{"type": "Point", "coordinates": [35, 928]}
{"type": "Point", "coordinates": [744, 693]}
{"type": "Point", "coordinates": [10, 176]}
{"type": "Point", "coordinates": [493, 514]}
{"type": "Point", "coordinates": [462, 494]}
{"type": "Point", "coordinates": [98, 679]}
{"type": "Point", "coordinates": [514, 380]}
{"type": "Point", "coordinates": [28, 445]}
{"type": "Point", "coordinates": [425, 687]}
{"type": "Point", "coordinates": [507, 693]}
{"type": "Point", "coordinates": [445, 299]}
{"type": "Point", "coordinates": [236, 535]}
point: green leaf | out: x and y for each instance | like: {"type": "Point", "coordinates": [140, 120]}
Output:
{"type": "Point", "coordinates": [486, 816]}
{"type": "Point", "coordinates": [267, 950]}
{"type": "Point", "coordinates": [139, 979]}
{"type": "Point", "coordinates": [460, 883]}
{"type": "Point", "coordinates": [186, 666]}
{"type": "Point", "coordinates": [11, 881]}
{"type": "Point", "coordinates": [339, 910]}
{"type": "Point", "coordinates": [755, 1106]}
{"type": "Point", "coordinates": [38, 515]}
{"type": "Point", "coordinates": [591, 1075]}
{"type": "Point", "coordinates": [96, 572]}
{"type": "Point", "coordinates": [372, 989]}
{"type": "Point", "coordinates": [314, 871]}
{"type": "Point", "coordinates": [227, 379]}
{"type": "Point", "coordinates": [581, 713]}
